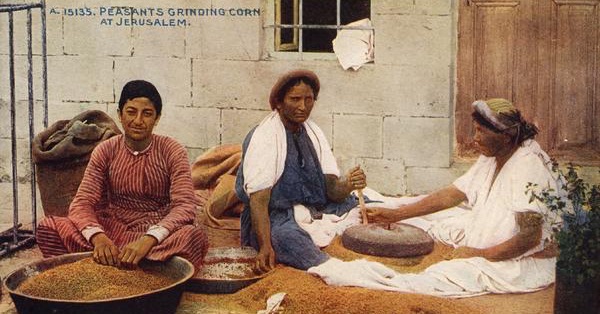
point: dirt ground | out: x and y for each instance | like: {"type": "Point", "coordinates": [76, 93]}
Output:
{"type": "Point", "coordinates": [529, 303]}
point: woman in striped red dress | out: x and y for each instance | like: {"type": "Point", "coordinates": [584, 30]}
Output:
{"type": "Point", "coordinates": [136, 198]}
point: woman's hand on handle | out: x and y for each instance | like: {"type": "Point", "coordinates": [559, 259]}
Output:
{"type": "Point", "coordinates": [356, 178]}
{"type": "Point", "coordinates": [385, 215]}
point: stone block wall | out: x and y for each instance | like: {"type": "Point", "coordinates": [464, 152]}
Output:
{"type": "Point", "coordinates": [394, 117]}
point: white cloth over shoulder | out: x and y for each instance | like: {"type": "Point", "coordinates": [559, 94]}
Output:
{"type": "Point", "coordinates": [489, 222]}
{"type": "Point", "coordinates": [264, 160]}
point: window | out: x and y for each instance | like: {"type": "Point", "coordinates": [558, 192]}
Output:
{"type": "Point", "coordinates": [311, 25]}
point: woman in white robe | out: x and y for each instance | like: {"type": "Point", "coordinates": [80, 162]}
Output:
{"type": "Point", "coordinates": [503, 242]}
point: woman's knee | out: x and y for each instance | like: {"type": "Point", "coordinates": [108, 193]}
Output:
{"type": "Point", "coordinates": [47, 223]}
{"type": "Point", "coordinates": [295, 248]}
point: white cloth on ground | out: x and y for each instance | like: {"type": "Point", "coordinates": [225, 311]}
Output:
{"type": "Point", "coordinates": [273, 303]}
{"type": "Point", "coordinates": [268, 147]}
{"type": "Point", "coordinates": [491, 221]}
{"type": "Point", "coordinates": [322, 231]}
{"type": "Point", "coordinates": [458, 278]}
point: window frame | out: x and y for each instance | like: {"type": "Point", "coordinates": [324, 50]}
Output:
{"type": "Point", "coordinates": [294, 44]}
{"type": "Point", "coordinates": [273, 39]}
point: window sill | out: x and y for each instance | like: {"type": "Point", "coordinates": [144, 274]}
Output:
{"type": "Point", "coordinates": [304, 56]}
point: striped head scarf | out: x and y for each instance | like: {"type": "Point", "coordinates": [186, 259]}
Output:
{"type": "Point", "coordinates": [498, 112]}
{"type": "Point", "coordinates": [501, 116]}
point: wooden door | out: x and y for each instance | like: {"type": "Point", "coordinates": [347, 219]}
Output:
{"type": "Point", "coordinates": [544, 56]}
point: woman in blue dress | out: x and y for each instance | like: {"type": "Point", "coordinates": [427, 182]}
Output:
{"type": "Point", "coordinates": [286, 162]}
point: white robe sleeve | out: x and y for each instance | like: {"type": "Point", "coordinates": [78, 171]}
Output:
{"type": "Point", "coordinates": [475, 178]}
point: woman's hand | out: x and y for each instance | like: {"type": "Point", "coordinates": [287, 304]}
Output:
{"type": "Point", "coordinates": [338, 188]}
{"type": "Point", "coordinates": [133, 252]}
{"type": "Point", "coordinates": [356, 178]}
{"type": "Point", "coordinates": [550, 250]}
{"type": "Point", "coordinates": [105, 251]}
{"type": "Point", "coordinates": [464, 252]}
{"type": "Point", "coordinates": [380, 214]}
{"type": "Point", "coordinates": [265, 259]}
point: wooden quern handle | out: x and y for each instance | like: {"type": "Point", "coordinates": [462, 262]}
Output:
{"type": "Point", "coordinates": [363, 208]}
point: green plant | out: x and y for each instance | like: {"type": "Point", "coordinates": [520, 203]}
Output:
{"type": "Point", "coordinates": [578, 233]}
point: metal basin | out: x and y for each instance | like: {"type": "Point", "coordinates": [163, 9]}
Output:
{"type": "Point", "coordinates": [205, 280]}
{"type": "Point", "coordinates": [164, 300]}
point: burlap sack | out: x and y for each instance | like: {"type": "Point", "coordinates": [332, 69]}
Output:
{"type": "Point", "coordinates": [61, 153]}
{"type": "Point", "coordinates": [213, 173]}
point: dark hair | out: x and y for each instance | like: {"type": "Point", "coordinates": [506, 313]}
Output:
{"type": "Point", "coordinates": [141, 88]}
{"type": "Point", "coordinates": [523, 129]}
{"type": "Point", "coordinates": [295, 81]}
